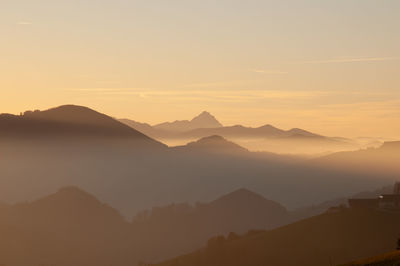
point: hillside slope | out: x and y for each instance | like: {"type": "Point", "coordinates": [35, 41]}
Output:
{"type": "Point", "coordinates": [72, 227]}
{"type": "Point", "coordinates": [327, 239]}
{"type": "Point", "coordinates": [382, 159]}
{"type": "Point", "coordinates": [181, 228]}
{"type": "Point", "coordinates": [69, 227]}
{"type": "Point", "coordinates": [387, 259]}
{"type": "Point", "coordinates": [72, 123]}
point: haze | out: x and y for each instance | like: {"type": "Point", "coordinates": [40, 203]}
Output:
{"type": "Point", "coordinates": [199, 133]}
{"type": "Point", "coordinates": [326, 66]}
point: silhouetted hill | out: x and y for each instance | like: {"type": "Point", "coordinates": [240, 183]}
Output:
{"type": "Point", "coordinates": [68, 121]}
{"type": "Point", "coordinates": [74, 228]}
{"type": "Point", "coordinates": [214, 144]}
{"type": "Point", "coordinates": [381, 159]}
{"type": "Point", "coordinates": [70, 227]}
{"type": "Point", "coordinates": [244, 207]}
{"type": "Point", "coordinates": [182, 228]}
{"type": "Point", "coordinates": [327, 239]}
{"type": "Point", "coordinates": [203, 120]}
{"type": "Point", "coordinates": [70, 206]}
{"type": "Point", "coordinates": [141, 127]}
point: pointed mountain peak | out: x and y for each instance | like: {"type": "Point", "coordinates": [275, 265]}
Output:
{"type": "Point", "coordinates": [205, 120]}
{"type": "Point", "coordinates": [205, 114]}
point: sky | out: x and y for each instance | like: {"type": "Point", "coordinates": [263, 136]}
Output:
{"type": "Point", "coordinates": [332, 67]}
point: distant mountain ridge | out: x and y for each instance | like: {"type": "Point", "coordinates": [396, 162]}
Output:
{"type": "Point", "coordinates": [238, 131]}
{"type": "Point", "coordinates": [263, 138]}
{"type": "Point", "coordinates": [206, 124]}
{"type": "Point", "coordinates": [203, 120]}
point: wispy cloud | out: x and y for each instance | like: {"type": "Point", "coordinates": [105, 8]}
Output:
{"type": "Point", "coordinates": [24, 23]}
{"type": "Point", "coordinates": [350, 60]}
{"type": "Point", "coordinates": [268, 72]}
{"type": "Point", "coordinates": [232, 96]}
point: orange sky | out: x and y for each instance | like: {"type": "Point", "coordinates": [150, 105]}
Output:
{"type": "Point", "coordinates": [332, 68]}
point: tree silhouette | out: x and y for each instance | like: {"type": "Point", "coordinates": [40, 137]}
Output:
{"type": "Point", "coordinates": [398, 243]}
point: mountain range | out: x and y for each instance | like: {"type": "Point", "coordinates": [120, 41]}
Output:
{"type": "Point", "coordinates": [263, 138]}
{"type": "Point", "coordinates": [206, 124]}
{"type": "Point", "coordinates": [71, 145]}
{"type": "Point", "coordinates": [203, 120]}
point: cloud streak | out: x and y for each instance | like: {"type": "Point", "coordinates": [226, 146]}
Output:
{"type": "Point", "coordinates": [268, 72]}
{"type": "Point", "coordinates": [24, 23]}
{"type": "Point", "coordinates": [232, 96]}
{"type": "Point", "coordinates": [351, 60]}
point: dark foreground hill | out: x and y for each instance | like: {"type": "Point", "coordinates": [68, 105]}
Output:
{"type": "Point", "coordinates": [327, 239]}
{"type": "Point", "coordinates": [182, 228]}
{"type": "Point", "coordinates": [387, 259]}
{"type": "Point", "coordinates": [69, 227]}
{"type": "Point", "coordinates": [72, 227]}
